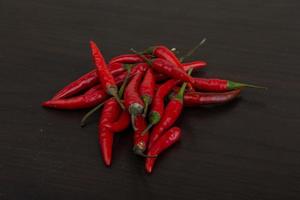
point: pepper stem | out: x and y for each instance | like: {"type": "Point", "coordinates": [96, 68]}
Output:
{"type": "Point", "coordinates": [139, 152]}
{"type": "Point", "coordinates": [147, 101]}
{"type": "Point", "coordinates": [182, 88]}
{"type": "Point", "coordinates": [122, 88]}
{"type": "Point", "coordinates": [148, 61]}
{"type": "Point", "coordinates": [133, 115]}
{"type": "Point", "coordinates": [192, 51]}
{"type": "Point", "coordinates": [236, 85]}
{"type": "Point", "coordinates": [114, 92]}
{"type": "Point", "coordinates": [91, 112]}
{"type": "Point", "coordinates": [147, 129]}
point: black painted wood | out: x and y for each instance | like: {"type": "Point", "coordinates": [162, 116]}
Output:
{"type": "Point", "coordinates": [248, 149]}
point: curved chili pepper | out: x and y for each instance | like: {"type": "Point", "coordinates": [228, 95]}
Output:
{"type": "Point", "coordinates": [164, 142]}
{"type": "Point", "coordinates": [192, 99]}
{"type": "Point", "coordinates": [128, 58]}
{"type": "Point", "coordinates": [91, 98]}
{"type": "Point", "coordinates": [132, 100]}
{"type": "Point", "coordinates": [219, 85]}
{"type": "Point", "coordinates": [105, 77]}
{"type": "Point", "coordinates": [171, 114]}
{"type": "Point", "coordinates": [87, 80]}
{"type": "Point", "coordinates": [186, 66]}
{"type": "Point", "coordinates": [108, 115]}
{"type": "Point", "coordinates": [147, 89]}
{"type": "Point", "coordinates": [165, 67]}
{"type": "Point", "coordinates": [122, 123]}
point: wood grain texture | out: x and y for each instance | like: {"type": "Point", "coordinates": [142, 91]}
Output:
{"type": "Point", "coordinates": [248, 149]}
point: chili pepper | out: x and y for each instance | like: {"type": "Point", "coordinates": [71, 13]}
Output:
{"type": "Point", "coordinates": [171, 114]}
{"type": "Point", "coordinates": [133, 102]}
{"type": "Point", "coordinates": [108, 115]}
{"type": "Point", "coordinates": [165, 67]}
{"type": "Point", "coordinates": [128, 58]}
{"type": "Point", "coordinates": [164, 142]}
{"type": "Point", "coordinates": [192, 99]}
{"type": "Point", "coordinates": [90, 98]}
{"type": "Point", "coordinates": [147, 88]}
{"type": "Point", "coordinates": [87, 80]}
{"type": "Point", "coordinates": [157, 108]}
{"type": "Point", "coordinates": [186, 66]}
{"type": "Point", "coordinates": [122, 123]}
{"type": "Point", "coordinates": [119, 79]}
{"type": "Point", "coordinates": [105, 77]}
{"type": "Point", "coordinates": [219, 85]}
{"type": "Point", "coordinates": [140, 140]}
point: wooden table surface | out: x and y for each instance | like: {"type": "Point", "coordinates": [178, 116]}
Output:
{"type": "Point", "coordinates": [248, 149]}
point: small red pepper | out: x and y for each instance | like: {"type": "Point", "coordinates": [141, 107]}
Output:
{"type": "Point", "coordinates": [132, 99]}
{"type": "Point", "coordinates": [192, 99]}
{"type": "Point", "coordinates": [171, 114]}
{"type": "Point", "coordinates": [89, 99]}
{"type": "Point", "coordinates": [147, 89]}
{"type": "Point", "coordinates": [104, 75]}
{"type": "Point", "coordinates": [164, 142]}
{"type": "Point", "coordinates": [128, 58]}
{"type": "Point", "coordinates": [140, 140]}
{"type": "Point", "coordinates": [219, 85]}
{"type": "Point", "coordinates": [109, 114]}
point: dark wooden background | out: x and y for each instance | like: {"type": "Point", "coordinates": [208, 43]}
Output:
{"type": "Point", "coordinates": [249, 149]}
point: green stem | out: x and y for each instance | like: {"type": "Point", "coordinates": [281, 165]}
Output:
{"type": "Point", "coordinates": [148, 61]}
{"type": "Point", "coordinates": [182, 88]}
{"type": "Point", "coordinates": [193, 50]}
{"type": "Point", "coordinates": [133, 121]}
{"type": "Point", "coordinates": [91, 112]}
{"type": "Point", "coordinates": [114, 92]}
{"type": "Point", "coordinates": [122, 88]}
{"type": "Point", "coordinates": [231, 85]}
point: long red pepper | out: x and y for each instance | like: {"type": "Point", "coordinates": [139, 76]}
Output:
{"type": "Point", "coordinates": [192, 99]}
{"type": "Point", "coordinates": [164, 142]}
{"type": "Point", "coordinates": [109, 114]}
{"type": "Point", "coordinates": [90, 98]}
{"type": "Point", "coordinates": [105, 77]}
{"type": "Point", "coordinates": [165, 67]}
{"type": "Point", "coordinates": [128, 58]}
{"type": "Point", "coordinates": [87, 80]}
{"type": "Point", "coordinates": [147, 89]}
{"type": "Point", "coordinates": [219, 85]}
{"type": "Point", "coordinates": [132, 99]}
{"type": "Point", "coordinates": [171, 114]}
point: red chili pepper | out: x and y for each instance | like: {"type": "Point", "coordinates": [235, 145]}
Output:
{"type": "Point", "coordinates": [219, 85]}
{"type": "Point", "coordinates": [165, 67]}
{"type": "Point", "coordinates": [158, 107]}
{"type": "Point", "coordinates": [192, 99]}
{"type": "Point", "coordinates": [109, 114]}
{"type": "Point", "coordinates": [105, 77]}
{"type": "Point", "coordinates": [86, 81]}
{"type": "Point", "coordinates": [147, 89]}
{"type": "Point", "coordinates": [186, 66]}
{"type": "Point", "coordinates": [171, 114]}
{"type": "Point", "coordinates": [164, 142]}
{"type": "Point", "coordinates": [128, 58]}
{"type": "Point", "coordinates": [122, 123]}
{"type": "Point", "coordinates": [91, 98]}
{"type": "Point", "coordinates": [140, 140]}
{"type": "Point", "coordinates": [133, 102]}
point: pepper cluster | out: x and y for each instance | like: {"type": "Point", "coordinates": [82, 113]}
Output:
{"type": "Point", "coordinates": [147, 90]}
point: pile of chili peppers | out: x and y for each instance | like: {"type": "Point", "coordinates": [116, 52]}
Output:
{"type": "Point", "coordinates": [146, 90]}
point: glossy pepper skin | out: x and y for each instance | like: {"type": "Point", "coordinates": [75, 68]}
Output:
{"type": "Point", "coordinates": [132, 99]}
{"type": "Point", "coordinates": [193, 99]}
{"type": "Point", "coordinates": [140, 140]}
{"type": "Point", "coordinates": [89, 99]}
{"type": "Point", "coordinates": [105, 77]}
{"type": "Point", "coordinates": [122, 123]}
{"type": "Point", "coordinates": [128, 59]}
{"type": "Point", "coordinates": [147, 89]}
{"type": "Point", "coordinates": [171, 114]}
{"type": "Point", "coordinates": [86, 81]}
{"type": "Point", "coordinates": [164, 142]}
{"type": "Point", "coordinates": [219, 85]}
{"type": "Point", "coordinates": [111, 110]}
